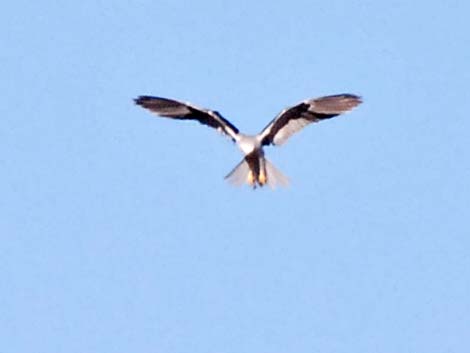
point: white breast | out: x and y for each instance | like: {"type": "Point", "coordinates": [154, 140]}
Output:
{"type": "Point", "coordinates": [248, 144]}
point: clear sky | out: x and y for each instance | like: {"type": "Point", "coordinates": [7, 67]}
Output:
{"type": "Point", "coordinates": [119, 234]}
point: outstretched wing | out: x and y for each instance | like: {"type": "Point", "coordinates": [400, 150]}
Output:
{"type": "Point", "coordinates": [170, 108]}
{"type": "Point", "coordinates": [293, 119]}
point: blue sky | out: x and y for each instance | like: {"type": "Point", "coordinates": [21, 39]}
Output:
{"type": "Point", "coordinates": [119, 233]}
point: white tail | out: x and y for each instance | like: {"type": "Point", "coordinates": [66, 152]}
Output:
{"type": "Point", "coordinates": [268, 174]}
{"type": "Point", "coordinates": [239, 175]}
{"type": "Point", "coordinates": [275, 176]}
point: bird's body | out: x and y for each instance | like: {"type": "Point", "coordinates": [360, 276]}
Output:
{"type": "Point", "coordinates": [248, 143]}
{"type": "Point", "coordinates": [255, 169]}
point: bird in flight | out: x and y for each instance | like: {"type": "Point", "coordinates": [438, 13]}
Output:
{"type": "Point", "coordinates": [255, 169]}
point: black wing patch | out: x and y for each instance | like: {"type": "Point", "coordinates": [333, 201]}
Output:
{"type": "Point", "coordinates": [293, 119]}
{"type": "Point", "coordinates": [173, 109]}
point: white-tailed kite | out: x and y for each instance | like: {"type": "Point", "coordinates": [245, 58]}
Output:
{"type": "Point", "coordinates": [255, 169]}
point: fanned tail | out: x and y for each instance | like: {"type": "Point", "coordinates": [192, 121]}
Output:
{"type": "Point", "coordinates": [239, 175]}
{"type": "Point", "coordinates": [256, 172]}
{"type": "Point", "coordinates": [274, 176]}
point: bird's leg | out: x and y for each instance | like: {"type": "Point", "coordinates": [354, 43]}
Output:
{"type": "Point", "coordinates": [262, 177]}
{"type": "Point", "coordinates": [251, 179]}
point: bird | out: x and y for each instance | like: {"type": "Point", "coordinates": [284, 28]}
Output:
{"type": "Point", "coordinates": [254, 169]}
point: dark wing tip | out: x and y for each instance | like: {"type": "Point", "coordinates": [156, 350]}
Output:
{"type": "Point", "coordinates": [163, 106]}
{"type": "Point", "coordinates": [351, 100]}
{"type": "Point", "coordinates": [346, 97]}
{"type": "Point", "coordinates": [143, 100]}
{"type": "Point", "coordinates": [335, 104]}
{"type": "Point", "coordinates": [354, 99]}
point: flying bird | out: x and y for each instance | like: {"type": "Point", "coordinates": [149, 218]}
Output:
{"type": "Point", "coordinates": [255, 169]}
